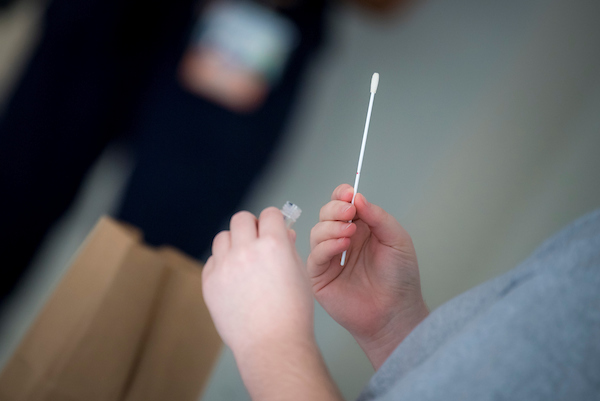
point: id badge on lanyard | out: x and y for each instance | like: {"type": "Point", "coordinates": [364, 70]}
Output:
{"type": "Point", "coordinates": [237, 53]}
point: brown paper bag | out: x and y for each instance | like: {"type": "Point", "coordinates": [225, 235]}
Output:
{"type": "Point", "coordinates": [126, 323]}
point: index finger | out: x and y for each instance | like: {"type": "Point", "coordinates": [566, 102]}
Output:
{"type": "Point", "coordinates": [343, 192]}
{"type": "Point", "coordinates": [271, 222]}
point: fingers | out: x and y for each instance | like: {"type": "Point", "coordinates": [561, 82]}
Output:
{"type": "Point", "coordinates": [332, 235]}
{"type": "Point", "coordinates": [383, 225]}
{"type": "Point", "coordinates": [243, 227]}
{"type": "Point", "coordinates": [337, 210]}
{"type": "Point", "coordinates": [320, 257]}
{"type": "Point", "coordinates": [327, 230]}
{"type": "Point", "coordinates": [271, 223]}
{"type": "Point", "coordinates": [221, 243]}
{"type": "Point", "coordinates": [343, 192]}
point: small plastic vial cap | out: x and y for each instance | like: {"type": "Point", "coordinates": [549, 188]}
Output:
{"type": "Point", "coordinates": [291, 213]}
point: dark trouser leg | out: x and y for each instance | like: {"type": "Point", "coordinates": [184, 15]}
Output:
{"type": "Point", "coordinates": [196, 160]}
{"type": "Point", "coordinates": [80, 90]}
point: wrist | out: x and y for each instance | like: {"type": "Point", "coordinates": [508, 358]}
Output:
{"type": "Point", "coordinates": [379, 345]}
{"type": "Point", "coordinates": [269, 348]}
{"type": "Point", "coordinates": [292, 368]}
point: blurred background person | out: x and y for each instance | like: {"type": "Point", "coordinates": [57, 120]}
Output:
{"type": "Point", "coordinates": [105, 70]}
{"type": "Point", "coordinates": [200, 90]}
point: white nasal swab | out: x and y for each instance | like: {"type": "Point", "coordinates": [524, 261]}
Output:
{"type": "Point", "coordinates": [374, 84]}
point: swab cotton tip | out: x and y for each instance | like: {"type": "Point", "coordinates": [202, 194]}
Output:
{"type": "Point", "coordinates": [374, 82]}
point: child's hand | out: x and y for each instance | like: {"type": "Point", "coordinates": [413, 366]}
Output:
{"type": "Point", "coordinates": [255, 285]}
{"type": "Point", "coordinates": [258, 294]}
{"type": "Point", "coordinates": [376, 296]}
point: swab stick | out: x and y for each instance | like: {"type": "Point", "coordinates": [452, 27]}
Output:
{"type": "Point", "coordinates": [374, 84]}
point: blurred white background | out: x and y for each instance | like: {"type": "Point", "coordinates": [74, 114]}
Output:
{"type": "Point", "coordinates": [484, 140]}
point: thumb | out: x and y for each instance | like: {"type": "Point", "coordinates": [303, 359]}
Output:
{"type": "Point", "coordinates": [382, 224]}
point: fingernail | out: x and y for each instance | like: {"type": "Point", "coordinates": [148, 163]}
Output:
{"type": "Point", "coordinates": [347, 226]}
{"type": "Point", "coordinates": [346, 208]}
{"type": "Point", "coordinates": [366, 201]}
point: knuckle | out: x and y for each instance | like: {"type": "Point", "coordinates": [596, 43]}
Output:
{"type": "Point", "coordinates": [270, 244]}
{"type": "Point", "coordinates": [271, 209]}
{"type": "Point", "coordinates": [325, 210]}
{"type": "Point", "coordinates": [241, 215]}
{"type": "Point", "coordinates": [244, 254]}
{"type": "Point", "coordinates": [315, 230]}
{"type": "Point", "coordinates": [219, 239]}
{"type": "Point", "coordinates": [220, 236]}
{"type": "Point", "coordinates": [340, 190]}
{"type": "Point", "coordinates": [207, 267]}
{"type": "Point", "coordinates": [322, 212]}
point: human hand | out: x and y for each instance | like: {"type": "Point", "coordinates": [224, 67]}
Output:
{"type": "Point", "coordinates": [376, 296]}
{"type": "Point", "coordinates": [258, 294]}
{"type": "Point", "coordinates": [255, 286]}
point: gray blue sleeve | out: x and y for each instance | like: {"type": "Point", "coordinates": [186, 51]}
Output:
{"type": "Point", "coordinates": [531, 334]}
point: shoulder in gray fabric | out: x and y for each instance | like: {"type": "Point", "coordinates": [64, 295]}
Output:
{"type": "Point", "coordinates": [530, 334]}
